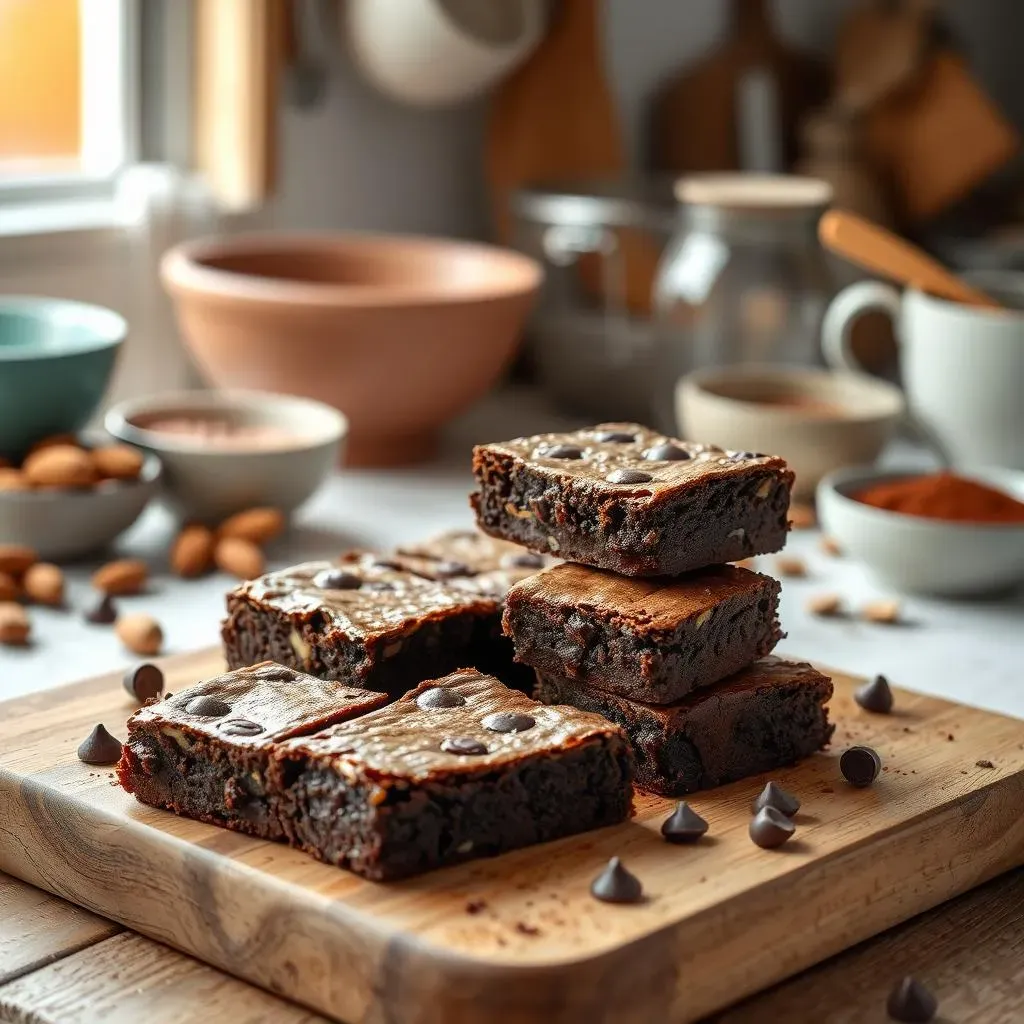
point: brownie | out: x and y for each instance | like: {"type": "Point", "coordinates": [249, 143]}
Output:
{"type": "Point", "coordinates": [205, 752]}
{"type": "Point", "coordinates": [619, 496]}
{"type": "Point", "coordinates": [769, 715]}
{"type": "Point", "coordinates": [361, 620]}
{"type": "Point", "coordinates": [653, 639]}
{"type": "Point", "coordinates": [460, 767]}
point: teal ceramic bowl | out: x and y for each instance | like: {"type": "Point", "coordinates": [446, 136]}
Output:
{"type": "Point", "coordinates": [56, 358]}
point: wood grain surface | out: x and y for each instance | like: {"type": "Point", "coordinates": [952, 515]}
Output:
{"type": "Point", "coordinates": [721, 920]}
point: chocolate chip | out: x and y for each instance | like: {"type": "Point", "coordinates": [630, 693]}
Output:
{"type": "Point", "coordinates": [205, 706]}
{"type": "Point", "coordinates": [628, 476]}
{"type": "Point", "coordinates": [875, 696]}
{"type": "Point", "coordinates": [770, 828]}
{"type": "Point", "coordinates": [102, 613]}
{"type": "Point", "coordinates": [438, 697]}
{"type": "Point", "coordinates": [337, 579]}
{"type": "Point", "coordinates": [911, 1002]}
{"type": "Point", "coordinates": [860, 766]}
{"type": "Point", "coordinates": [616, 885]}
{"type": "Point", "coordinates": [666, 453]}
{"type": "Point", "coordinates": [522, 560]}
{"type": "Point", "coordinates": [614, 436]}
{"type": "Point", "coordinates": [462, 745]}
{"type": "Point", "coordinates": [240, 727]}
{"type": "Point", "coordinates": [449, 570]}
{"type": "Point", "coordinates": [143, 682]}
{"type": "Point", "coordinates": [99, 747]}
{"type": "Point", "coordinates": [509, 721]}
{"type": "Point", "coordinates": [560, 451]}
{"type": "Point", "coordinates": [683, 825]}
{"type": "Point", "coordinates": [773, 795]}
{"type": "Point", "coordinates": [276, 673]}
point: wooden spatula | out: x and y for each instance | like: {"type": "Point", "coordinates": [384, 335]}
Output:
{"type": "Point", "coordinates": [881, 252]}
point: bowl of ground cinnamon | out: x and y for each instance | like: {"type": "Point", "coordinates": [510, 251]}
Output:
{"type": "Point", "coordinates": [952, 534]}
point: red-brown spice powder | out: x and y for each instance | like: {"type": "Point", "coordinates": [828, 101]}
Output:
{"type": "Point", "coordinates": [944, 496]}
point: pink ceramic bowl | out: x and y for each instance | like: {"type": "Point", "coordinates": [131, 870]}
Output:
{"type": "Point", "coordinates": [401, 334]}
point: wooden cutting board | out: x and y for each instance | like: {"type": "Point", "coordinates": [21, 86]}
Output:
{"type": "Point", "coordinates": [517, 938]}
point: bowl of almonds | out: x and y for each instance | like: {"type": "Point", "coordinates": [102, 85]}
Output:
{"type": "Point", "coordinates": [68, 498]}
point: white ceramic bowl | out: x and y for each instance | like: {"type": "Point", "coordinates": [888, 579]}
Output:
{"type": "Point", "coordinates": [926, 556]}
{"type": "Point", "coordinates": [64, 525]}
{"type": "Point", "coordinates": [206, 482]}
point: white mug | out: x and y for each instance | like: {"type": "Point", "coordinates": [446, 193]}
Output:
{"type": "Point", "coordinates": [962, 366]}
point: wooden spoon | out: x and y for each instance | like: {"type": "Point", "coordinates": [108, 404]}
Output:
{"type": "Point", "coordinates": [882, 252]}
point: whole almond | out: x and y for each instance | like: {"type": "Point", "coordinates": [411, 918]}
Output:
{"type": "Point", "coordinates": [15, 559]}
{"type": "Point", "coordinates": [790, 565]}
{"type": "Point", "coordinates": [60, 466]}
{"type": "Point", "coordinates": [9, 589]}
{"type": "Point", "coordinates": [53, 440]}
{"type": "Point", "coordinates": [13, 480]}
{"type": "Point", "coordinates": [117, 462]}
{"type": "Point", "coordinates": [239, 558]}
{"type": "Point", "coordinates": [257, 525]}
{"type": "Point", "coordinates": [885, 611]}
{"type": "Point", "coordinates": [44, 584]}
{"type": "Point", "coordinates": [825, 605]}
{"type": "Point", "coordinates": [830, 546]}
{"type": "Point", "coordinates": [192, 551]}
{"type": "Point", "coordinates": [14, 624]}
{"type": "Point", "coordinates": [125, 576]}
{"type": "Point", "coordinates": [140, 633]}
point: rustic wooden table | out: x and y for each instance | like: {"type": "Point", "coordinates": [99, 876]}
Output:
{"type": "Point", "coordinates": [60, 964]}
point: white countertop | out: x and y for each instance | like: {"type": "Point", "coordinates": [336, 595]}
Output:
{"type": "Point", "coordinates": [972, 652]}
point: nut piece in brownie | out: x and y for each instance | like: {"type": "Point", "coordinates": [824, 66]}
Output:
{"type": "Point", "coordinates": [652, 640]}
{"type": "Point", "coordinates": [361, 620]}
{"type": "Point", "coordinates": [769, 715]}
{"type": "Point", "coordinates": [205, 752]}
{"type": "Point", "coordinates": [619, 496]}
{"type": "Point", "coordinates": [460, 767]}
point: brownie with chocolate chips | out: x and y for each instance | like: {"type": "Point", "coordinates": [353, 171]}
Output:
{"type": "Point", "coordinates": [619, 496]}
{"type": "Point", "coordinates": [766, 716]}
{"type": "Point", "coordinates": [460, 767]}
{"type": "Point", "coordinates": [206, 752]}
{"type": "Point", "coordinates": [652, 639]}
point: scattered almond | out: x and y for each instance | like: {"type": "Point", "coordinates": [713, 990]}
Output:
{"type": "Point", "coordinates": [13, 480]}
{"type": "Point", "coordinates": [125, 576]}
{"type": "Point", "coordinates": [9, 589]}
{"type": "Point", "coordinates": [830, 546]}
{"type": "Point", "coordinates": [14, 624]}
{"type": "Point", "coordinates": [239, 558]}
{"type": "Point", "coordinates": [790, 565]}
{"type": "Point", "coordinates": [886, 611]}
{"type": "Point", "coordinates": [802, 517]}
{"type": "Point", "coordinates": [53, 440]}
{"type": "Point", "coordinates": [192, 551]}
{"type": "Point", "coordinates": [15, 559]}
{"type": "Point", "coordinates": [257, 525]}
{"type": "Point", "coordinates": [60, 465]}
{"type": "Point", "coordinates": [117, 462]}
{"type": "Point", "coordinates": [44, 584]}
{"type": "Point", "coordinates": [140, 633]}
{"type": "Point", "coordinates": [825, 604]}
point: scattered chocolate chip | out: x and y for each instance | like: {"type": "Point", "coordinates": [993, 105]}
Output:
{"type": "Point", "coordinates": [99, 747]}
{"type": "Point", "coordinates": [462, 745]}
{"type": "Point", "coordinates": [683, 825]}
{"type": "Point", "coordinates": [628, 476]}
{"type": "Point", "coordinates": [509, 721]}
{"type": "Point", "coordinates": [143, 682]}
{"type": "Point", "coordinates": [860, 766]}
{"type": "Point", "coordinates": [240, 727]}
{"type": "Point", "coordinates": [773, 795]}
{"type": "Point", "coordinates": [527, 929]}
{"type": "Point", "coordinates": [875, 696]}
{"type": "Point", "coordinates": [103, 612]}
{"type": "Point", "coordinates": [614, 437]}
{"type": "Point", "coordinates": [770, 828]}
{"type": "Point", "coordinates": [616, 885]}
{"type": "Point", "coordinates": [560, 451]}
{"type": "Point", "coordinates": [522, 560]}
{"type": "Point", "coordinates": [666, 453]}
{"type": "Point", "coordinates": [337, 579]}
{"type": "Point", "coordinates": [449, 570]}
{"type": "Point", "coordinates": [438, 697]}
{"type": "Point", "coordinates": [475, 906]}
{"type": "Point", "coordinates": [984, 763]}
{"type": "Point", "coordinates": [276, 673]}
{"type": "Point", "coordinates": [910, 1002]}
{"type": "Point", "coordinates": [207, 707]}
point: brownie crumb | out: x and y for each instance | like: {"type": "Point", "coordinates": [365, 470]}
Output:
{"type": "Point", "coordinates": [950, 737]}
{"type": "Point", "coordinates": [984, 763]}
{"type": "Point", "coordinates": [907, 728]}
{"type": "Point", "coordinates": [526, 929]}
{"type": "Point", "coordinates": [475, 906]}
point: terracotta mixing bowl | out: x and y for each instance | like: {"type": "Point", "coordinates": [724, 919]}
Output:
{"type": "Point", "coordinates": [400, 334]}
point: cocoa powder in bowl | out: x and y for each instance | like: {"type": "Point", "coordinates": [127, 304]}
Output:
{"type": "Point", "coordinates": [219, 432]}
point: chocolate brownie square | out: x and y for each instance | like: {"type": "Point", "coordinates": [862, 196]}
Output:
{"type": "Point", "coordinates": [460, 767]}
{"type": "Point", "coordinates": [767, 716]}
{"type": "Point", "coordinates": [621, 497]}
{"type": "Point", "coordinates": [653, 639]}
{"type": "Point", "coordinates": [205, 752]}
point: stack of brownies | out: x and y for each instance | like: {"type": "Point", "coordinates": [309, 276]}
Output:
{"type": "Point", "coordinates": [647, 625]}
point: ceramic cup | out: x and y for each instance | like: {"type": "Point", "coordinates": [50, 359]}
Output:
{"type": "Point", "coordinates": [962, 366]}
